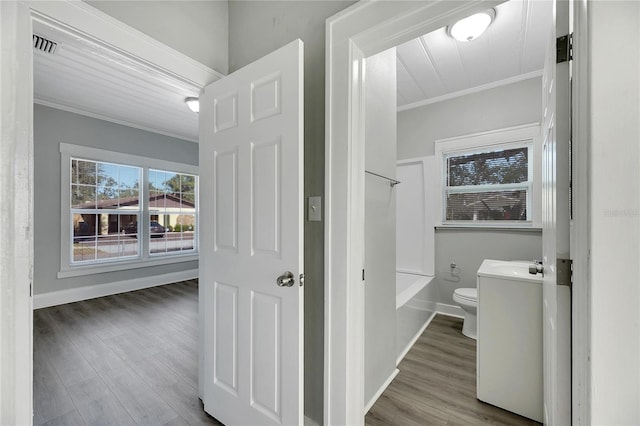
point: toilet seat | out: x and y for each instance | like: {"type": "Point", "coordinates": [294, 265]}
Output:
{"type": "Point", "coordinates": [467, 294]}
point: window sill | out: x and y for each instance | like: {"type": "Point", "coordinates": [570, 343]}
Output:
{"type": "Point", "coordinates": [81, 270]}
{"type": "Point", "coordinates": [459, 227]}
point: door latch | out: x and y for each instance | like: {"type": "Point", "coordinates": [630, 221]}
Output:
{"type": "Point", "coordinates": [536, 268]}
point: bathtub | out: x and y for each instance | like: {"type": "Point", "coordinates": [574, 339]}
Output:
{"type": "Point", "coordinates": [415, 308]}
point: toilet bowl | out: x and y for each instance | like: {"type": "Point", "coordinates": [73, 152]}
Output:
{"type": "Point", "coordinates": [467, 298]}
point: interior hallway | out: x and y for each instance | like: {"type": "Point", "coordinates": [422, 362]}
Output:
{"type": "Point", "coordinates": [437, 384]}
{"type": "Point", "coordinates": [126, 359]}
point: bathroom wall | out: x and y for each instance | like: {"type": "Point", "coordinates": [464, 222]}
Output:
{"type": "Point", "coordinates": [380, 223]}
{"type": "Point", "coordinates": [468, 248]}
{"type": "Point", "coordinates": [505, 106]}
{"type": "Point", "coordinates": [418, 129]}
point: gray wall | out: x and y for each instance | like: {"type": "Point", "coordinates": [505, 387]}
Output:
{"type": "Point", "coordinates": [199, 29]}
{"type": "Point", "coordinates": [51, 127]}
{"type": "Point", "coordinates": [468, 248]}
{"type": "Point", "coordinates": [505, 106]}
{"type": "Point", "coordinates": [255, 29]}
{"type": "Point", "coordinates": [380, 223]}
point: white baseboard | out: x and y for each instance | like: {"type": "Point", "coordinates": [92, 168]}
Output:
{"type": "Point", "coordinates": [449, 310]}
{"type": "Point", "coordinates": [384, 386]}
{"type": "Point", "coordinates": [61, 297]}
{"type": "Point", "coordinates": [415, 338]}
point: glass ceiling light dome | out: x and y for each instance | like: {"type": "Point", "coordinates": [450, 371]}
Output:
{"type": "Point", "coordinates": [472, 27]}
{"type": "Point", "coordinates": [193, 104]}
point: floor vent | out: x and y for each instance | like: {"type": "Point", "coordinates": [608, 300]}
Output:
{"type": "Point", "coordinates": [44, 45]}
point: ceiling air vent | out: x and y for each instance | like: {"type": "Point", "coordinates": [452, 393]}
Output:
{"type": "Point", "coordinates": [44, 45]}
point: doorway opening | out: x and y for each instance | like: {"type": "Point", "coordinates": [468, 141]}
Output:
{"type": "Point", "coordinates": [106, 90]}
{"type": "Point", "coordinates": [467, 98]}
{"type": "Point", "coordinates": [349, 49]}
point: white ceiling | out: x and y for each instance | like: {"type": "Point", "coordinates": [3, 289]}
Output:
{"type": "Point", "coordinates": [436, 66]}
{"type": "Point", "coordinates": [87, 77]}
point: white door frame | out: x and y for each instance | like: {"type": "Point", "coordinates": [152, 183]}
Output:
{"type": "Point", "coordinates": [359, 31]}
{"type": "Point", "coordinates": [580, 235]}
{"type": "Point", "coordinates": [16, 183]}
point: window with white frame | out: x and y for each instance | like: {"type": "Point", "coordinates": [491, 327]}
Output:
{"type": "Point", "coordinates": [172, 209]}
{"type": "Point", "coordinates": [105, 200]}
{"type": "Point", "coordinates": [122, 211]}
{"type": "Point", "coordinates": [491, 179]}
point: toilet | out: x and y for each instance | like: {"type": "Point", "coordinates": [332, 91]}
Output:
{"type": "Point", "coordinates": [467, 298]}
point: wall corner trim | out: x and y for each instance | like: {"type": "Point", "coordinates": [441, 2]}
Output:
{"type": "Point", "coordinates": [61, 297]}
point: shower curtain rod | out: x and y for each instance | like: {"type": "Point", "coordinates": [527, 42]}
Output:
{"type": "Point", "coordinates": [393, 182]}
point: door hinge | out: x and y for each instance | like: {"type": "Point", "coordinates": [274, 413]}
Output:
{"type": "Point", "coordinates": [564, 48]}
{"type": "Point", "coordinates": [564, 271]}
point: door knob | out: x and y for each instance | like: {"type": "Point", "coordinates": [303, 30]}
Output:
{"type": "Point", "coordinates": [286, 280]}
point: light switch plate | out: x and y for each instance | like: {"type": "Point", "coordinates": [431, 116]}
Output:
{"type": "Point", "coordinates": [315, 209]}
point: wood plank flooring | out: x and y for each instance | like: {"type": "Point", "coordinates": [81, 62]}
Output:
{"type": "Point", "coordinates": [437, 384]}
{"type": "Point", "coordinates": [126, 359]}
{"type": "Point", "coordinates": [132, 359]}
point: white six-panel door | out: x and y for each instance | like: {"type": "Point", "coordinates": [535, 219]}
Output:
{"type": "Point", "coordinates": [556, 299]}
{"type": "Point", "coordinates": [251, 198]}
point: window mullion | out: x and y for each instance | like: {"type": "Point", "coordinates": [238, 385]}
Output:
{"type": "Point", "coordinates": [144, 220]}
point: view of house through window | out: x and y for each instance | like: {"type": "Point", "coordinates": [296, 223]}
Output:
{"type": "Point", "coordinates": [106, 211]}
{"type": "Point", "coordinates": [172, 211]}
{"type": "Point", "coordinates": [488, 186]}
{"type": "Point", "coordinates": [105, 198]}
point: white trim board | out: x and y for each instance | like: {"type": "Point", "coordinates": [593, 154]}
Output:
{"type": "Point", "coordinates": [61, 297]}
{"type": "Point", "coordinates": [16, 215]}
{"type": "Point", "coordinates": [449, 310]}
{"type": "Point", "coordinates": [581, 392]}
{"type": "Point", "coordinates": [104, 31]}
{"type": "Point", "coordinates": [471, 90]}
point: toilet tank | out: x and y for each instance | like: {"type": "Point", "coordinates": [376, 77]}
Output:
{"type": "Point", "coordinates": [509, 347]}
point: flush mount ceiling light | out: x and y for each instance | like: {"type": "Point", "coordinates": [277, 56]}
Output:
{"type": "Point", "coordinates": [472, 27]}
{"type": "Point", "coordinates": [193, 104]}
